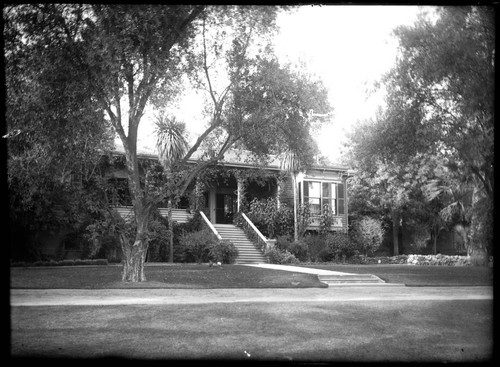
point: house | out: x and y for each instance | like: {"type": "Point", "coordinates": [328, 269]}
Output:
{"type": "Point", "coordinates": [236, 180]}
{"type": "Point", "coordinates": [241, 179]}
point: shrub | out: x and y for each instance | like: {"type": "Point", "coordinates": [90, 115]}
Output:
{"type": "Point", "coordinates": [317, 247]}
{"type": "Point", "coordinates": [195, 246]}
{"type": "Point", "coordinates": [368, 233]}
{"type": "Point", "coordinates": [298, 249]}
{"type": "Point", "coordinates": [277, 256]}
{"type": "Point", "coordinates": [340, 246]}
{"type": "Point", "coordinates": [223, 251]}
{"type": "Point", "coordinates": [270, 219]}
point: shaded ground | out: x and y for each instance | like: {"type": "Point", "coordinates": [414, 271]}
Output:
{"type": "Point", "coordinates": [193, 276]}
{"type": "Point", "coordinates": [415, 331]}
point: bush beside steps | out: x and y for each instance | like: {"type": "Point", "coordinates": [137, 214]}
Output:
{"type": "Point", "coordinates": [61, 263]}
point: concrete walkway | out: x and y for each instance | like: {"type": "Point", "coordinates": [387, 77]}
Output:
{"type": "Point", "coordinates": [298, 269]}
{"type": "Point", "coordinates": [106, 297]}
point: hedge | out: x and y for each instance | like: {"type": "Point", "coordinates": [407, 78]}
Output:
{"type": "Point", "coordinates": [61, 263]}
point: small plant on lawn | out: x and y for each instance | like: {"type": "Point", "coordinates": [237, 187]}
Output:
{"type": "Point", "coordinates": [196, 245]}
{"type": "Point", "coordinates": [368, 234]}
{"type": "Point", "coordinates": [223, 251]}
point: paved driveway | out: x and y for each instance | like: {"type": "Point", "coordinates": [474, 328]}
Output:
{"type": "Point", "coordinates": [46, 297]}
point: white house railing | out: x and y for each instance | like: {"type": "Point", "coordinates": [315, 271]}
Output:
{"type": "Point", "coordinates": [209, 224]}
{"type": "Point", "coordinates": [256, 236]}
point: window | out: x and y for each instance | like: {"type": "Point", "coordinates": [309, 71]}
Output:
{"type": "Point", "coordinates": [319, 194]}
{"type": "Point", "coordinates": [312, 196]}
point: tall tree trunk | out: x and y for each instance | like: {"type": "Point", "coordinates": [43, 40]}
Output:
{"type": "Point", "coordinates": [295, 222]}
{"type": "Point", "coordinates": [434, 240]}
{"type": "Point", "coordinates": [135, 254]}
{"type": "Point", "coordinates": [395, 231]}
{"type": "Point", "coordinates": [171, 233]}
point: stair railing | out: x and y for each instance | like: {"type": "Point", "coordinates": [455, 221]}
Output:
{"type": "Point", "coordinates": [255, 235]}
{"type": "Point", "coordinates": [210, 225]}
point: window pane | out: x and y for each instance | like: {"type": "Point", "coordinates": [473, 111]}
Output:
{"type": "Point", "coordinates": [315, 209]}
{"type": "Point", "coordinates": [340, 191]}
{"type": "Point", "coordinates": [313, 189]}
{"type": "Point", "coordinates": [327, 192]}
{"type": "Point", "coordinates": [313, 201]}
{"type": "Point", "coordinates": [341, 206]}
{"type": "Point", "coordinates": [326, 202]}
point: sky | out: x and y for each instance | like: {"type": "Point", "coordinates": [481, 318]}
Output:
{"type": "Point", "coordinates": [348, 47]}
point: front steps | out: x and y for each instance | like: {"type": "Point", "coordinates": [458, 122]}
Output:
{"type": "Point", "coordinates": [178, 215]}
{"type": "Point", "coordinates": [350, 279]}
{"type": "Point", "coordinates": [248, 253]}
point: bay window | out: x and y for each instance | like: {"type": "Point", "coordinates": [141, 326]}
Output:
{"type": "Point", "coordinates": [318, 194]}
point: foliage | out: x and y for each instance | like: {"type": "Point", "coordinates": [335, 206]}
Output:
{"type": "Point", "coordinates": [317, 247]}
{"type": "Point", "coordinates": [435, 133]}
{"type": "Point", "coordinates": [223, 251]}
{"type": "Point", "coordinates": [368, 233]}
{"type": "Point", "coordinates": [277, 256]}
{"type": "Point", "coordinates": [271, 220]}
{"type": "Point", "coordinates": [325, 219]}
{"type": "Point", "coordinates": [196, 245]}
{"type": "Point", "coordinates": [303, 218]}
{"type": "Point", "coordinates": [130, 57]}
{"type": "Point", "coordinates": [297, 248]}
{"type": "Point", "coordinates": [341, 246]}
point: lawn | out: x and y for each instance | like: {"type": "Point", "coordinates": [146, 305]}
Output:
{"type": "Point", "coordinates": [413, 275]}
{"type": "Point", "coordinates": [238, 276]}
{"type": "Point", "coordinates": [408, 331]}
{"type": "Point", "coordinates": [160, 276]}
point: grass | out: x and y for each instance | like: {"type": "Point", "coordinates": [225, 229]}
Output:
{"type": "Point", "coordinates": [421, 331]}
{"type": "Point", "coordinates": [413, 275]}
{"type": "Point", "coordinates": [188, 276]}
{"type": "Point", "coordinates": [194, 276]}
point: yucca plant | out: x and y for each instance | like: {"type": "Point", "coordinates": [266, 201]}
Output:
{"type": "Point", "coordinates": [290, 163]}
{"type": "Point", "coordinates": [170, 141]}
{"type": "Point", "coordinates": [172, 146]}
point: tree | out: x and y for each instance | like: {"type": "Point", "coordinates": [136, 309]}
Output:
{"type": "Point", "coordinates": [368, 233]}
{"type": "Point", "coordinates": [56, 134]}
{"type": "Point", "coordinates": [171, 146]}
{"type": "Point", "coordinates": [439, 107]}
{"type": "Point", "coordinates": [291, 164]}
{"type": "Point", "coordinates": [446, 69]}
{"type": "Point", "coordinates": [132, 57]}
{"type": "Point", "coordinates": [126, 54]}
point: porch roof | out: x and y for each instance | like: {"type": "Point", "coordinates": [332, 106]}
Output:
{"type": "Point", "coordinates": [232, 158]}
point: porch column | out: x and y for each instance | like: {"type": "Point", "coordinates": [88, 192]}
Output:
{"type": "Point", "coordinates": [240, 192]}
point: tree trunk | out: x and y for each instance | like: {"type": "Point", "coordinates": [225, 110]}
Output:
{"type": "Point", "coordinates": [434, 243]}
{"type": "Point", "coordinates": [295, 223]}
{"type": "Point", "coordinates": [171, 233]}
{"type": "Point", "coordinates": [135, 254]}
{"type": "Point", "coordinates": [395, 231]}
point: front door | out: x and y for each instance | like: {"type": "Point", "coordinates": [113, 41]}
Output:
{"type": "Point", "coordinates": [225, 208]}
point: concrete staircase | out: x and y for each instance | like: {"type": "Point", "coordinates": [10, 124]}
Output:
{"type": "Point", "coordinates": [350, 279]}
{"type": "Point", "coordinates": [248, 253]}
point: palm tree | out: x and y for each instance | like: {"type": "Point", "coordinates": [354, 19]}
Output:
{"type": "Point", "coordinates": [457, 200]}
{"type": "Point", "coordinates": [290, 163]}
{"type": "Point", "coordinates": [172, 146]}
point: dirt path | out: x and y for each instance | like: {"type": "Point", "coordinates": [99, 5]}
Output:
{"type": "Point", "coordinates": [47, 297]}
